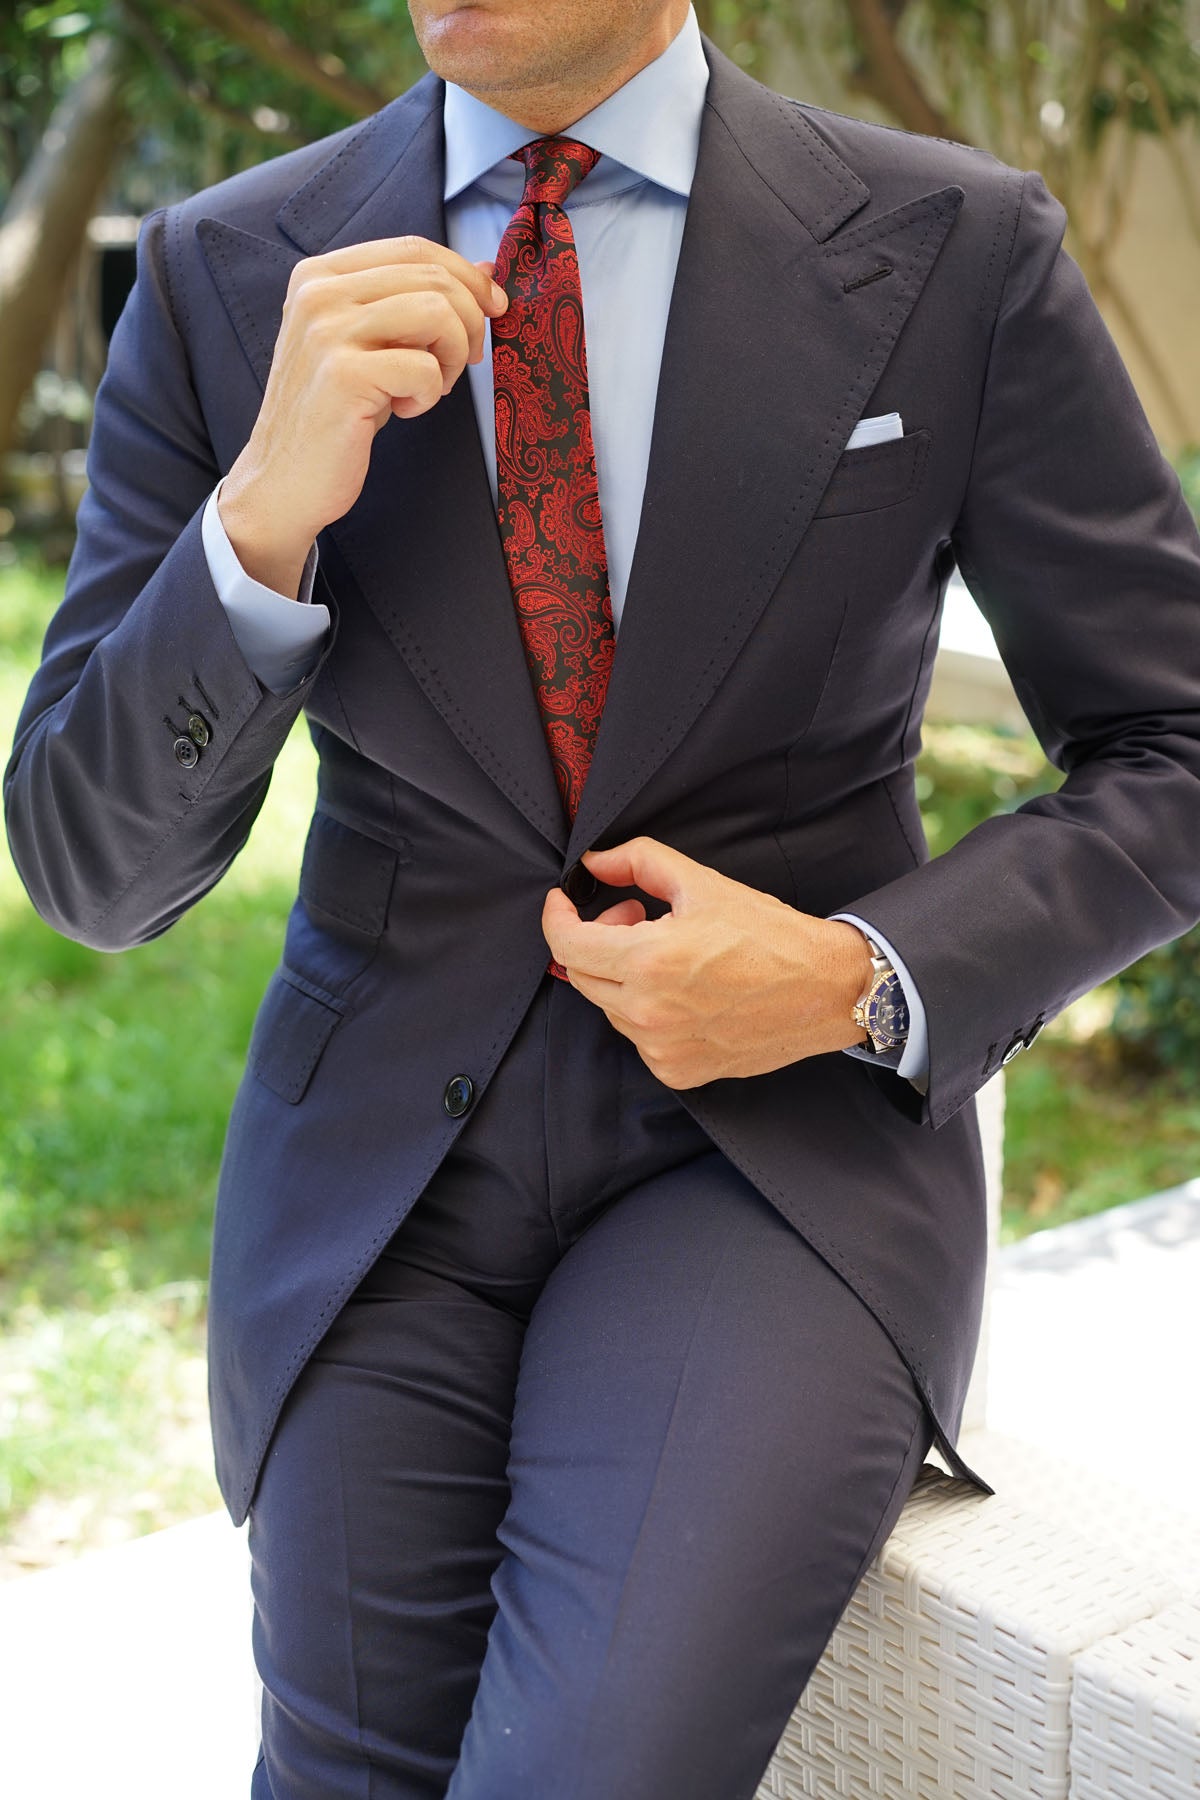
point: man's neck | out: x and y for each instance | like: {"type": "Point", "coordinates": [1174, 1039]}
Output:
{"type": "Point", "coordinates": [549, 109]}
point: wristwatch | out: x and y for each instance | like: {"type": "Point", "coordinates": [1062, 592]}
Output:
{"type": "Point", "coordinates": [882, 1011]}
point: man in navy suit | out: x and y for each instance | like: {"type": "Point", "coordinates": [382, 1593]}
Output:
{"type": "Point", "coordinates": [580, 1313]}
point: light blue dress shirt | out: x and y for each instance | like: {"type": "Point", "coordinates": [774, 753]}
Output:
{"type": "Point", "coordinates": [627, 216]}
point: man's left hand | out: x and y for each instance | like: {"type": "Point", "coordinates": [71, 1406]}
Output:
{"type": "Point", "coordinates": [730, 982]}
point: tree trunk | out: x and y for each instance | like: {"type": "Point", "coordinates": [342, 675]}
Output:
{"type": "Point", "coordinates": [47, 215]}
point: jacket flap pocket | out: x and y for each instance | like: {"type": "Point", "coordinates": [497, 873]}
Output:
{"type": "Point", "coordinates": [876, 475]}
{"type": "Point", "coordinates": [295, 1022]}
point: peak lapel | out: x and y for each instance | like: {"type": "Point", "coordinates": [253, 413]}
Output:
{"type": "Point", "coordinates": [421, 543]}
{"type": "Point", "coordinates": [771, 352]}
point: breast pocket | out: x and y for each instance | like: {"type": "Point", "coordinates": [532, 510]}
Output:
{"type": "Point", "coordinates": [876, 476]}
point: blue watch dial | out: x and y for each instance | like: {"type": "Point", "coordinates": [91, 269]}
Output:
{"type": "Point", "coordinates": [886, 1012]}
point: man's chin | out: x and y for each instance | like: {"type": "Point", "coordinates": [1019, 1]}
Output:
{"type": "Point", "coordinates": [477, 49]}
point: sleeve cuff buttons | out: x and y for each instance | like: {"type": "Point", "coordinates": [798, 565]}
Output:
{"type": "Point", "coordinates": [187, 746]}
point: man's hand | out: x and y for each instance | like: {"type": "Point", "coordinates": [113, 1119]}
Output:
{"type": "Point", "coordinates": [367, 331]}
{"type": "Point", "coordinates": [729, 982]}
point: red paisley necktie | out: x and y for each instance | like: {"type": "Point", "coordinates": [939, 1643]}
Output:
{"type": "Point", "coordinates": [549, 504]}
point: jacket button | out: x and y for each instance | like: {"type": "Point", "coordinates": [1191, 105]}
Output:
{"type": "Point", "coordinates": [458, 1096]}
{"type": "Point", "coordinates": [1014, 1049]}
{"type": "Point", "coordinates": [198, 731]}
{"type": "Point", "coordinates": [579, 885]}
{"type": "Point", "coordinates": [1034, 1033]}
{"type": "Point", "coordinates": [186, 752]}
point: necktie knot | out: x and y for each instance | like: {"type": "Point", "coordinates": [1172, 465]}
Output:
{"type": "Point", "coordinates": [553, 166]}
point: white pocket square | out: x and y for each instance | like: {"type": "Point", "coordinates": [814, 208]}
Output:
{"type": "Point", "coordinates": [876, 431]}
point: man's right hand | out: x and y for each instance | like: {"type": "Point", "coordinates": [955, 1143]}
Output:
{"type": "Point", "coordinates": [367, 331]}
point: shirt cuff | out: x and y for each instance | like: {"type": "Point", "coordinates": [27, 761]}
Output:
{"type": "Point", "coordinates": [281, 639]}
{"type": "Point", "coordinates": [912, 1062]}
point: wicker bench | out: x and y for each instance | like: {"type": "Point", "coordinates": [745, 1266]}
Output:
{"type": "Point", "coordinates": [1010, 1649]}
{"type": "Point", "coordinates": [1041, 1643]}
{"type": "Point", "coordinates": [1135, 1711]}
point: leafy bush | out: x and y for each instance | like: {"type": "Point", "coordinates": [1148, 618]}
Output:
{"type": "Point", "coordinates": [1157, 1018]}
{"type": "Point", "coordinates": [969, 773]}
{"type": "Point", "coordinates": [1187, 463]}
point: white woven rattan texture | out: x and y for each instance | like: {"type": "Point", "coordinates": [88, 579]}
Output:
{"type": "Point", "coordinates": [1135, 1712]}
{"type": "Point", "coordinates": [949, 1675]}
{"type": "Point", "coordinates": [1158, 1533]}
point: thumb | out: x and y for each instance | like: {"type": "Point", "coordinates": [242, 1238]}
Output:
{"type": "Point", "coordinates": [625, 912]}
{"type": "Point", "coordinates": [644, 862]}
{"type": "Point", "coordinates": [494, 308]}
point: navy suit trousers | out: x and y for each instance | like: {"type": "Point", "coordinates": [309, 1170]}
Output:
{"type": "Point", "coordinates": [571, 1496]}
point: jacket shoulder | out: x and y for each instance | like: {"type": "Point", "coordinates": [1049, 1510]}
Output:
{"type": "Point", "coordinates": [888, 157]}
{"type": "Point", "coordinates": [252, 197]}
{"type": "Point", "coordinates": [900, 166]}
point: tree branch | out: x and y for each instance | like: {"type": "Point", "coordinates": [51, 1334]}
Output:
{"type": "Point", "coordinates": [271, 45]}
{"type": "Point", "coordinates": [887, 75]}
{"type": "Point", "coordinates": [144, 32]}
{"type": "Point", "coordinates": [1168, 137]}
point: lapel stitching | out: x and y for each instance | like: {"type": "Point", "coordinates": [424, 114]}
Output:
{"type": "Point", "coordinates": [936, 204]}
{"type": "Point", "coordinates": [853, 190]}
{"type": "Point", "coordinates": [215, 237]}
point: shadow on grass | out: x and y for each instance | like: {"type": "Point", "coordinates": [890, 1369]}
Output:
{"type": "Point", "coordinates": [117, 1074]}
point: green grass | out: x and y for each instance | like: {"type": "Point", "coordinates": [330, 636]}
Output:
{"type": "Point", "coordinates": [117, 1072]}
{"type": "Point", "coordinates": [116, 1077]}
{"type": "Point", "coordinates": [1084, 1132]}
{"type": "Point", "coordinates": [105, 1416]}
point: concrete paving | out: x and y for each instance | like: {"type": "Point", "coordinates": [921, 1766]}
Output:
{"type": "Point", "coordinates": [1095, 1334]}
{"type": "Point", "coordinates": [128, 1676]}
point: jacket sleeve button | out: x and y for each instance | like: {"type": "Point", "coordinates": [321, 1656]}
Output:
{"type": "Point", "coordinates": [198, 731]}
{"type": "Point", "coordinates": [186, 752]}
{"type": "Point", "coordinates": [458, 1095]}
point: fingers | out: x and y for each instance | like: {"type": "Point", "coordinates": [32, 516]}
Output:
{"type": "Point", "coordinates": [384, 252]}
{"type": "Point", "coordinates": [603, 989]}
{"type": "Point", "coordinates": [589, 947]}
{"type": "Point", "coordinates": [414, 380]}
{"type": "Point", "coordinates": [559, 918]}
{"type": "Point", "coordinates": [376, 299]}
{"type": "Point", "coordinates": [368, 332]}
{"type": "Point", "coordinates": [424, 321]}
{"type": "Point", "coordinates": [645, 863]}
{"type": "Point", "coordinates": [409, 292]}
{"type": "Point", "coordinates": [395, 376]}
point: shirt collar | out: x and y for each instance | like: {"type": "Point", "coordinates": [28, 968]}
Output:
{"type": "Point", "coordinates": [651, 125]}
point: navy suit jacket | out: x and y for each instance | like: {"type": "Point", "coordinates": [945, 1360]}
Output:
{"type": "Point", "coordinates": [763, 714]}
